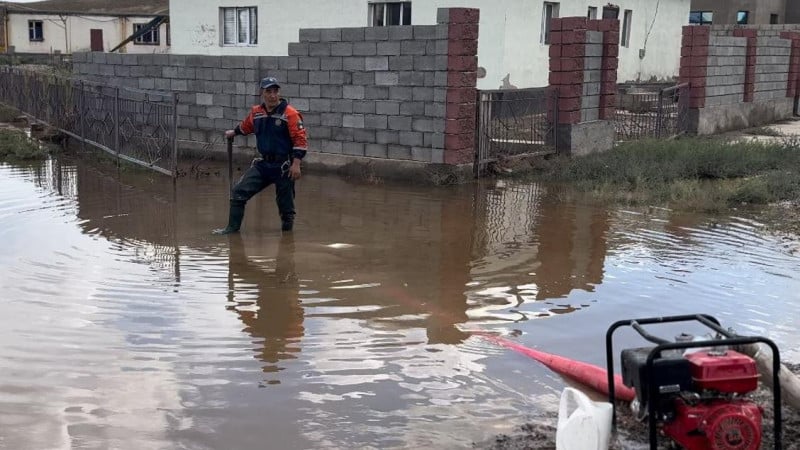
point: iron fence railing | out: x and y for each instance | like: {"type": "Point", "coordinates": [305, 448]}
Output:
{"type": "Point", "coordinates": [137, 126]}
{"type": "Point", "coordinates": [652, 114]}
{"type": "Point", "coordinates": [513, 123]}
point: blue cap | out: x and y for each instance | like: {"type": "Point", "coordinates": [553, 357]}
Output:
{"type": "Point", "coordinates": [269, 82]}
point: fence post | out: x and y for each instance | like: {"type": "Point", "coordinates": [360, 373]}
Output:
{"type": "Point", "coordinates": [175, 135]}
{"type": "Point", "coordinates": [660, 113]}
{"type": "Point", "coordinates": [82, 115]}
{"type": "Point", "coordinates": [116, 122]}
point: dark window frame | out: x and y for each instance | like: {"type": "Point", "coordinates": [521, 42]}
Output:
{"type": "Point", "coordinates": [244, 35]}
{"type": "Point", "coordinates": [554, 9]}
{"type": "Point", "coordinates": [703, 17]}
{"type": "Point", "coordinates": [36, 27]}
{"type": "Point", "coordinates": [742, 17]}
{"type": "Point", "coordinates": [388, 14]}
{"type": "Point", "coordinates": [152, 37]}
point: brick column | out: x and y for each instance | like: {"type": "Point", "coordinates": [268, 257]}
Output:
{"type": "Point", "coordinates": [567, 51]}
{"type": "Point", "coordinates": [694, 62]}
{"type": "Point", "coordinates": [793, 87]}
{"type": "Point", "coordinates": [610, 64]}
{"type": "Point", "coordinates": [750, 72]}
{"type": "Point", "coordinates": [583, 69]}
{"type": "Point", "coordinates": [3, 18]}
{"type": "Point", "coordinates": [462, 78]}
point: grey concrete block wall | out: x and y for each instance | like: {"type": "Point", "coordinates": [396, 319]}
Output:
{"type": "Point", "coordinates": [773, 56]}
{"type": "Point", "coordinates": [727, 59]}
{"type": "Point", "coordinates": [374, 92]}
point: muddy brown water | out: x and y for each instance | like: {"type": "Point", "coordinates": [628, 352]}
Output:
{"type": "Point", "coordinates": [125, 324]}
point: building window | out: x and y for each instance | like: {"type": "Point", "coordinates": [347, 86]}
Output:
{"type": "Point", "coordinates": [701, 17]}
{"type": "Point", "coordinates": [35, 30]}
{"type": "Point", "coordinates": [239, 26]}
{"type": "Point", "coordinates": [149, 37]}
{"type": "Point", "coordinates": [386, 14]}
{"type": "Point", "coordinates": [549, 11]}
{"type": "Point", "coordinates": [625, 37]}
{"type": "Point", "coordinates": [169, 37]}
{"type": "Point", "coordinates": [610, 12]}
{"type": "Point", "coordinates": [773, 19]}
{"type": "Point", "coordinates": [592, 13]}
{"type": "Point", "coordinates": [742, 17]}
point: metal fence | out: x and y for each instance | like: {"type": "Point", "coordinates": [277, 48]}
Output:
{"type": "Point", "coordinates": [652, 114]}
{"type": "Point", "coordinates": [514, 123]}
{"type": "Point", "coordinates": [137, 126]}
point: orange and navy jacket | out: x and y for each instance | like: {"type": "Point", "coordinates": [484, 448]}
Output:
{"type": "Point", "coordinates": [279, 133]}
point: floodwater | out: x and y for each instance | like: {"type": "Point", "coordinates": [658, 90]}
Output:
{"type": "Point", "coordinates": [124, 324]}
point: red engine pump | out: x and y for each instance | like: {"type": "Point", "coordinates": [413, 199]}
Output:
{"type": "Point", "coordinates": [695, 391]}
{"type": "Point", "coordinates": [716, 419]}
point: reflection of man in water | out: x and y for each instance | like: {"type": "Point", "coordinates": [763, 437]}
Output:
{"type": "Point", "coordinates": [279, 316]}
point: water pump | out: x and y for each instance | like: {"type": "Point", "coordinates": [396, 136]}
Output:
{"type": "Point", "coordinates": [694, 391]}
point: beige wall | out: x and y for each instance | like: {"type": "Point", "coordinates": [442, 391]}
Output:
{"type": "Point", "coordinates": [760, 10]}
{"type": "Point", "coordinates": [69, 34]}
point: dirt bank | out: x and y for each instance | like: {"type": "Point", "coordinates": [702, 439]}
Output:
{"type": "Point", "coordinates": [540, 435]}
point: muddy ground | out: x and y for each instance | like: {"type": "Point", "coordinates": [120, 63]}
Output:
{"type": "Point", "coordinates": [632, 434]}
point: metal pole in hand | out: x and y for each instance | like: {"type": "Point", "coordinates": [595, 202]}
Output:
{"type": "Point", "coordinates": [230, 165]}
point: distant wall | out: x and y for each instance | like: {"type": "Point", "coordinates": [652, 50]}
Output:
{"type": "Point", "coordinates": [401, 93]}
{"type": "Point", "coordinates": [739, 76]}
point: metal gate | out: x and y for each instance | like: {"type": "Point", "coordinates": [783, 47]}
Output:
{"type": "Point", "coordinates": [652, 114]}
{"type": "Point", "coordinates": [513, 124]}
{"type": "Point", "coordinates": [134, 125]}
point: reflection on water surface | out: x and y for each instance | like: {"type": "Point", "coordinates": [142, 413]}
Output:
{"type": "Point", "coordinates": [125, 324]}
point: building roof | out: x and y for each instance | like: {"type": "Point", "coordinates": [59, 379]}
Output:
{"type": "Point", "coordinates": [100, 7]}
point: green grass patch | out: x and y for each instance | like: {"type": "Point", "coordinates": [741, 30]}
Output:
{"type": "Point", "coordinates": [16, 145]}
{"type": "Point", "coordinates": [702, 174]}
{"type": "Point", "coordinates": [7, 113]}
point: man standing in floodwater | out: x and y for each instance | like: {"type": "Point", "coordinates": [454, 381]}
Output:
{"type": "Point", "coordinates": [281, 140]}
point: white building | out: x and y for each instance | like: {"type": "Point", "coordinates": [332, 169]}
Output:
{"type": "Point", "coordinates": [511, 47]}
{"type": "Point", "coordinates": [71, 26]}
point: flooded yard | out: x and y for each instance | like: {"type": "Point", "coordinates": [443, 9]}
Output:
{"type": "Point", "coordinates": [125, 324]}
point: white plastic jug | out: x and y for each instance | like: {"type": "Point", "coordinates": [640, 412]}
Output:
{"type": "Point", "coordinates": [583, 424]}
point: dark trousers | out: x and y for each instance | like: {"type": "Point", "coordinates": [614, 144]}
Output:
{"type": "Point", "coordinates": [259, 177]}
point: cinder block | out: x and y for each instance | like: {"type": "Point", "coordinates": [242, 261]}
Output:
{"type": "Point", "coordinates": [376, 92]}
{"type": "Point", "coordinates": [375, 63]}
{"type": "Point", "coordinates": [399, 63]}
{"type": "Point", "coordinates": [363, 78]}
{"type": "Point", "coordinates": [400, 123]}
{"type": "Point", "coordinates": [309, 35]}
{"type": "Point", "coordinates": [363, 106]}
{"type": "Point", "coordinates": [375, 121]}
{"type": "Point", "coordinates": [342, 49]}
{"type": "Point", "coordinates": [353, 148]}
{"type": "Point", "coordinates": [421, 154]}
{"type": "Point", "coordinates": [399, 152]}
{"type": "Point", "coordinates": [204, 99]}
{"type": "Point", "coordinates": [310, 91]}
{"type": "Point", "coordinates": [353, 92]}
{"type": "Point", "coordinates": [411, 138]}
{"type": "Point", "coordinates": [327, 146]}
{"type": "Point", "coordinates": [354, 63]}
{"type": "Point", "coordinates": [401, 93]}
{"type": "Point", "coordinates": [298, 49]}
{"type": "Point", "coordinates": [401, 33]}
{"type": "Point", "coordinates": [387, 78]}
{"type": "Point", "coordinates": [297, 76]}
{"type": "Point", "coordinates": [330, 63]}
{"type": "Point", "coordinates": [340, 105]}
{"type": "Point", "coordinates": [376, 33]}
{"type": "Point", "coordinates": [319, 49]}
{"type": "Point", "coordinates": [425, 31]}
{"type": "Point", "coordinates": [331, 35]}
{"type": "Point", "coordinates": [376, 151]}
{"type": "Point", "coordinates": [409, 78]}
{"type": "Point", "coordinates": [387, 137]}
{"type": "Point", "coordinates": [434, 140]}
{"type": "Point", "coordinates": [369, 48]}
{"type": "Point", "coordinates": [388, 48]}
{"type": "Point", "coordinates": [341, 78]}
{"type": "Point", "coordinates": [422, 124]}
{"type": "Point", "coordinates": [320, 105]}
{"type": "Point", "coordinates": [387, 107]}
{"type": "Point", "coordinates": [421, 94]}
{"type": "Point", "coordinates": [353, 121]}
{"type": "Point", "coordinates": [318, 77]}
{"type": "Point", "coordinates": [331, 91]}
{"type": "Point", "coordinates": [437, 110]}
{"type": "Point", "coordinates": [413, 47]}
{"type": "Point", "coordinates": [353, 34]}
{"type": "Point", "coordinates": [412, 108]}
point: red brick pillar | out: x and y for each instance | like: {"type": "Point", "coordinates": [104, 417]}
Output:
{"type": "Point", "coordinates": [608, 88]}
{"type": "Point", "coordinates": [694, 62]}
{"type": "Point", "coordinates": [750, 70]}
{"type": "Point", "coordinates": [567, 51]}
{"type": "Point", "coordinates": [462, 79]}
{"type": "Point", "coordinates": [793, 87]}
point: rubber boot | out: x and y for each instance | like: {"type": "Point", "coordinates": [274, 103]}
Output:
{"type": "Point", "coordinates": [287, 222]}
{"type": "Point", "coordinates": [235, 217]}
